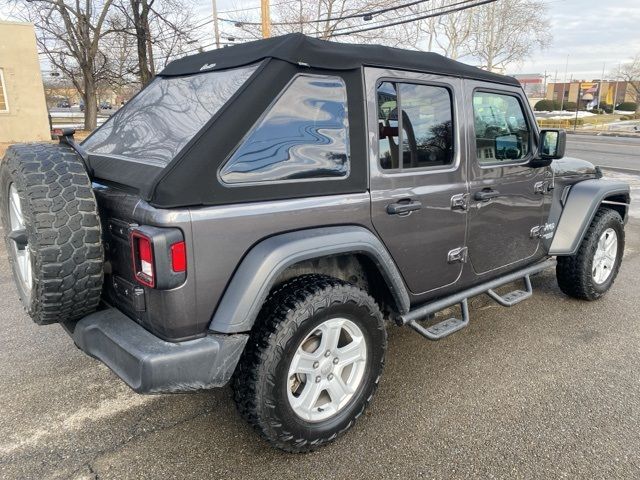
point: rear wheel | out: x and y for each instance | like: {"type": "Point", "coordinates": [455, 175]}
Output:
{"type": "Point", "coordinates": [52, 231]}
{"type": "Point", "coordinates": [312, 363]}
{"type": "Point", "coordinates": [590, 273]}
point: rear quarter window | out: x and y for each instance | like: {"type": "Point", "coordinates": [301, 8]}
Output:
{"type": "Point", "coordinates": [303, 135]}
{"type": "Point", "coordinates": [157, 123]}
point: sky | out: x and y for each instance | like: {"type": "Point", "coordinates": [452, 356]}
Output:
{"type": "Point", "coordinates": [591, 33]}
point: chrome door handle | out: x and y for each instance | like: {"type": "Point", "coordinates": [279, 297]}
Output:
{"type": "Point", "coordinates": [403, 207]}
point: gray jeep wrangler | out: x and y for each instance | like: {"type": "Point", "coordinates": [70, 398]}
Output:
{"type": "Point", "coordinates": [256, 213]}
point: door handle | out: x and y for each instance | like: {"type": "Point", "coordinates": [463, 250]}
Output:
{"type": "Point", "coordinates": [403, 207]}
{"type": "Point", "coordinates": [486, 195]}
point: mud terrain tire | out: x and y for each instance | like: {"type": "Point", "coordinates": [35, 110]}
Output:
{"type": "Point", "coordinates": [59, 237]}
{"type": "Point", "coordinates": [292, 311]}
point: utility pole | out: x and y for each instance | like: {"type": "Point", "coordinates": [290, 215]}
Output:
{"type": "Point", "coordinates": [600, 86]}
{"type": "Point", "coordinates": [615, 92]}
{"type": "Point", "coordinates": [266, 19]}
{"type": "Point", "coordinates": [216, 32]}
{"type": "Point", "coordinates": [575, 122]}
{"type": "Point", "coordinates": [564, 84]}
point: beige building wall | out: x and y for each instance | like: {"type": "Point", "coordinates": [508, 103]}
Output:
{"type": "Point", "coordinates": [23, 114]}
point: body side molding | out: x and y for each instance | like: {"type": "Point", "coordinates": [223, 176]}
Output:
{"type": "Point", "coordinates": [583, 201]}
{"type": "Point", "coordinates": [259, 269]}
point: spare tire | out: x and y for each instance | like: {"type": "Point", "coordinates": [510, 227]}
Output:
{"type": "Point", "coordinates": [52, 231]}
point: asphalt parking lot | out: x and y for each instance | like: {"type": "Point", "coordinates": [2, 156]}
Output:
{"type": "Point", "coordinates": [549, 388]}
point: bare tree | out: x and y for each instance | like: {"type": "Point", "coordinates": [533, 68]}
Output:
{"type": "Point", "coordinates": [161, 29]}
{"type": "Point", "coordinates": [453, 32]}
{"type": "Point", "coordinates": [332, 18]}
{"type": "Point", "coordinates": [630, 73]}
{"type": "Point", "coordinates": [69, 33]}
{"type": "Point", "coordinates": [507, 32]}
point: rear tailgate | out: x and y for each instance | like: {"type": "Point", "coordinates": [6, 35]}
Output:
{"type": "Point", "coordinates": [120, 288]}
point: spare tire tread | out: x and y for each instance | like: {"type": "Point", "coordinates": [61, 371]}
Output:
{"type": "Point", "coordinates": [63, 227]}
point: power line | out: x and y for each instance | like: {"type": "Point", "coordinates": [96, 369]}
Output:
{"type": "Point", "coordinates": [421, 17]}
{"type": "Point", "coordinates": [332, 19]}
{"type": "Point", "coordinates": [380, 23]}
{"type": "Point", "coordinates": [258, 7]}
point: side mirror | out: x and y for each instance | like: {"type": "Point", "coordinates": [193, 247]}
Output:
{"type": "Point", "coordinates": [551, 147]}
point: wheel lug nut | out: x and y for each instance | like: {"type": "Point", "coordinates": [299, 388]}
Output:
{"type": "Point", "coordinates": [318, 378]}
{"type": "Point", "coordinates": [316, 364]}
{"type": "Point", "coordinates": [335, 361]}
{"type": "Point", "coordinates": [330, 376]}
{"type": "Point", "coordinates": [327, 353]}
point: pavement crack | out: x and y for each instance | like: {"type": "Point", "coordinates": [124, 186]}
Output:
{"type": "Point", "coordinates": [137, 436]}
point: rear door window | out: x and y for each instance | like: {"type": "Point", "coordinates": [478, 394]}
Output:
{"type": "Point", "coordinates": [421, 136]}
{"type": "Point", "coordinates": [303, 135]}
{"type": "Point", "coordinates": [158, 122]}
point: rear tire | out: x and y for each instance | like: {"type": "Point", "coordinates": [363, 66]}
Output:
{"type": "Point", "coordinates": [52, 231]}
{"type": "Point", "coordinates": [296, 313]}
{"type": "Point", "coordinates": [585, 275]}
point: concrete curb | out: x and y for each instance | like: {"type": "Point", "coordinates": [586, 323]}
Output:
{"type": "Point", "coordinates": [599, 133]}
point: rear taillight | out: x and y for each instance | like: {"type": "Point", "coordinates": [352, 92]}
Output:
{"type": "Point", "coordinates": [143, 260]}
{"type": "Point", "coordinates": [159, 256]}
{"type": "Point", "coordinates": [178, 257]}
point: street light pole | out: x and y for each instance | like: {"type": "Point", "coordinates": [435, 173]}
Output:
{"type": "Point", "coordinates": [216, 32]}
{"type": "Point", "coordinates": [564, 84]}
{"type": "Point", "coordinates": [575, 122]}
{"type": "Point", "coordinates": [600, 86]}
{"type": "Point", "coordinates": [266, 20]}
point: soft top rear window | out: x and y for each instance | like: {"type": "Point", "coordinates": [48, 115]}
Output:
{"type": "Point", "coordinates": [158, 122]}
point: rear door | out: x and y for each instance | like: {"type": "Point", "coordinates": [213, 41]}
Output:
{"type": "Point", "coordinates": [417, 180]}
{"type": "Point", "coordinates": [506, 195]}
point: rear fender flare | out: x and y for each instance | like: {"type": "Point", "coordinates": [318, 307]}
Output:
{"type": "Point", "coordinates": [580, 207]}
{"type": "Point", "coordinates": [261, 267]}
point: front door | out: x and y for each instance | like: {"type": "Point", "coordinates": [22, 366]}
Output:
{"type": "Point", "coordinates": [417, 174]}
{"type": "Point", "coordinates": [506, 196]}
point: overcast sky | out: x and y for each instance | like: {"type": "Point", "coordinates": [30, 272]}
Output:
{"type": "Point", "coordinates": [590, 32]}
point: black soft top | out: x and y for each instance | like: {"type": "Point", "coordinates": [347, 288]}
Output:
{"type": "Point", "coordinates": [299, 49]}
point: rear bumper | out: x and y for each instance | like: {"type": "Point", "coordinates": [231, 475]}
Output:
{"type": "Point", "coordinates": [149, 364]}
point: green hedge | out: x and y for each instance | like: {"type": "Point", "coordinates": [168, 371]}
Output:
{"type": "Point", "coordinates": [549, 105]}
{"type": "Point", "coordinates": [627, 106]}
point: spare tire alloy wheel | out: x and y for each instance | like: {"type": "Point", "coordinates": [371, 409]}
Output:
{"type": "Point", "coordinates": [52, 231]}
{"type": "Point", "coordinates": [19, 250]}
{"type": "Point", "coordinates": [327, 369]}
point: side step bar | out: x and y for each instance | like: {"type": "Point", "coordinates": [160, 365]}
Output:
{"type": "Point", "coordinates": [452, 325]}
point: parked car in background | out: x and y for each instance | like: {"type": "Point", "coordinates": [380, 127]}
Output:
{"type": "Point", "coordinates": [105, 106]}
{"type": "Point", "coordinates": [64, 104]}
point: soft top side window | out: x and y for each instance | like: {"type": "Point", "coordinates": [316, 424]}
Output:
{"type": "Point", "coordinates": [303, 135]}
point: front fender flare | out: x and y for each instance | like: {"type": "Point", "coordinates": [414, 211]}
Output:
{"type": "Point", "coordinates": [580, 207]}
{"type": "Point", "coordinates": [260, 268]}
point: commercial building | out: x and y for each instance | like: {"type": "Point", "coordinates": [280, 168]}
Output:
{"type": "Point", "coordinates": [532, 84]}
{"type": "Point", "coordinates": [23, 111]}
{"type": "Point", "coordinates": [592, 93]}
